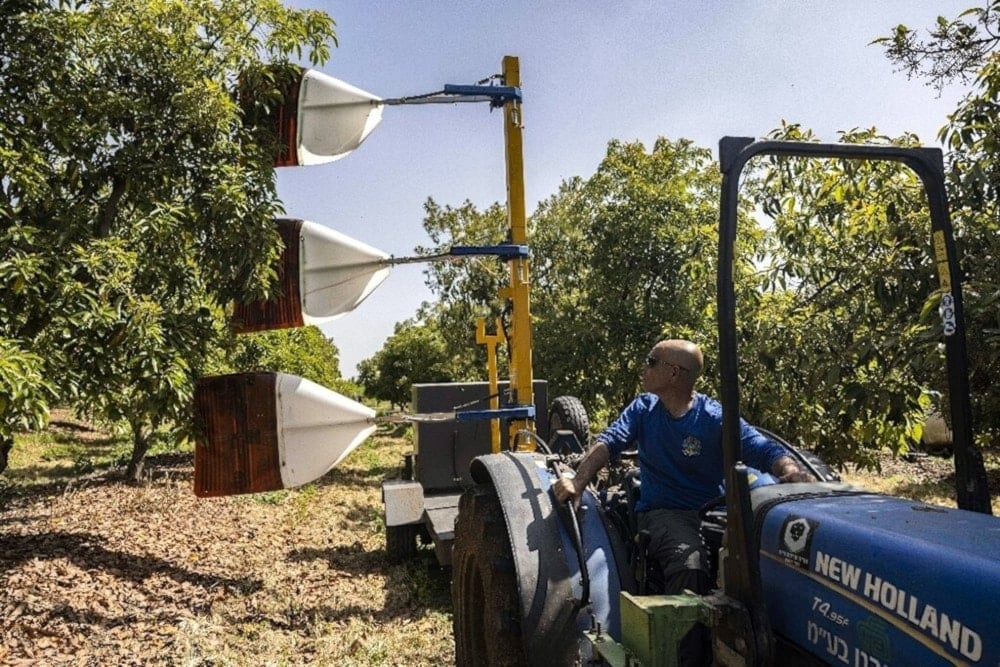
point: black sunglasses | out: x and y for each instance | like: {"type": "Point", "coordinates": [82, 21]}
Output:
{"type": "Point", "coordinates": [653, 361]}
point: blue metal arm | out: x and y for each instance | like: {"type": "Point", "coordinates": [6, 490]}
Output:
{"type": "Point", "coordinates": [505, 250]}
{"type": "Point", "coordinates": [499, 95]}
{"type": "Point", "coordinates": [516, 412]}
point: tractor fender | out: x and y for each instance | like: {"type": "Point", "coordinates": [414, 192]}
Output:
{"type": "Point", "coordinates": [545, 559]}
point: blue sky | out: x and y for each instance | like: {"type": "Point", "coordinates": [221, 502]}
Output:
{"type": "Point", "coordinates": [591, 72]}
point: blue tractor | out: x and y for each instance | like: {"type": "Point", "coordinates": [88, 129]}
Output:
{"type": "Point", "coordinates": [817, 573]}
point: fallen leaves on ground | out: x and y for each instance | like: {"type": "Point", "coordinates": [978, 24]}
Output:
{"type": "Point", "coordinates": [96, 572]}
{"type": "Point", "coordinates": [103, 573]}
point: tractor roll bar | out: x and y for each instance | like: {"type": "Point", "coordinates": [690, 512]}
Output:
{"type": "Point", "coordinates": [743, 581]}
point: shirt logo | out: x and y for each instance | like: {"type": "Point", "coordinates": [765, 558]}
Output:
{"type": "Point", "coordinates": [691, 446]}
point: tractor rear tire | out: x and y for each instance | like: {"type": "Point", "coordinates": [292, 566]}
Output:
{"type": "Point", "coordinates": [568, 413]}
{"type": "Point", "coordinates": [484, 591]}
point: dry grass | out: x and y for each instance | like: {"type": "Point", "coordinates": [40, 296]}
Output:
{"type": "Point", "coordinates": [930, 479]}
{"type": "Point", "coordinates": [96, 572]}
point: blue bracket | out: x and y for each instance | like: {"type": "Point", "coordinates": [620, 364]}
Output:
{"type": "Point", "coordinates": [505, 250]}
{"type": "Point", "coordinates": [499, 95]}
{"type": "Point", "coordinates": [516, 412]}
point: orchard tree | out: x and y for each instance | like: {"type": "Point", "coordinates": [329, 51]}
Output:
{"type": "Point", "coordinates": [623, 259]}
{"type": "Point", "coordinates": [414, 353]}
{"type": "Point", "coordinates": [25, 393]}
{"type": "Point", "coordinates": [953, 50]}
{"type": "Point", "coordinates": [619, 260]}
{"type": "Point", "coordinates": [303, 351]}
{"type": "Point", "coordinates": [840, 351]}
{"type": "Point", "coordinates": [964, 49]}
{"type": "Point", "coordinates": [467, 288]}
{"type": "Point", "coordinates": [135, 200]}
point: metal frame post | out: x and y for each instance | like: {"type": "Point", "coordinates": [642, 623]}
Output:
{"type": "Point", "coordinates": [491, 341]}
{"type": "Point", "coordinates": [521, 375]}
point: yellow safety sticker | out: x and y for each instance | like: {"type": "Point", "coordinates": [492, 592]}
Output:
{"type": "Point", "coordinates": [941, 256]}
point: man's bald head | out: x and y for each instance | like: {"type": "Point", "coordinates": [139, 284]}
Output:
{"type": "Point", "coordinates": [683, 353]}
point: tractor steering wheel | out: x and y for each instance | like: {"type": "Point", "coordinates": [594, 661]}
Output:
{"type": "Point", "coordinates": [709, 512]}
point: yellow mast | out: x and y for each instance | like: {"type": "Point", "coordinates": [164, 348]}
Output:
{"type": "Point", "coordinates": [521, 376]}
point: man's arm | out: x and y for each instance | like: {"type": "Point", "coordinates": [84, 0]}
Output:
{"type": "Point", "coordinates": [759, 450]}
{"type": "Point", "coordinates": [596, 458]}
{"type": "Point", "coordinates": [787, 470]}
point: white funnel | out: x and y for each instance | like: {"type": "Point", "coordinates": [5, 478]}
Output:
{"type": "Point", "coordinates": [334, 117]}
{"type": "Point", "coordinates": [337, 273]}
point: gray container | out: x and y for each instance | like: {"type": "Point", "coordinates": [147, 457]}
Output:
{"type": "Point", "coordinates": [444, 450]}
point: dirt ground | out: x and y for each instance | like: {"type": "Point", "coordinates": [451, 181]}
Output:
{"type": "Point", "coordinates": [97, 572]}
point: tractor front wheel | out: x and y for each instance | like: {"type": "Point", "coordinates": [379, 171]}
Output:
{"type": "Point", "coordinates": [486, 603]}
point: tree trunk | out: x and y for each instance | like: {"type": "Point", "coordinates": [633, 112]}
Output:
{"type": "Point", "coordinates": [141, 438]}
{"type": "Point", "coordinates": [6, 443]}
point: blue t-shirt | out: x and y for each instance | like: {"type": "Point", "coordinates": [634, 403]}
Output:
{"type": "Point", "coordinates": [680, 460]}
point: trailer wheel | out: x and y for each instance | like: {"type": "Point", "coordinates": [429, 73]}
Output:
{"type": "Point", "coordinates": [487, 618]}
{"type": "Point", "coordinates": [401, 542]}
{"type": "Point", "coordinates": [568, 413]}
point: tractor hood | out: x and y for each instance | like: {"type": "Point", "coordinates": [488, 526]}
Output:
{"type": "Point", "coordinates": [867, 579]}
